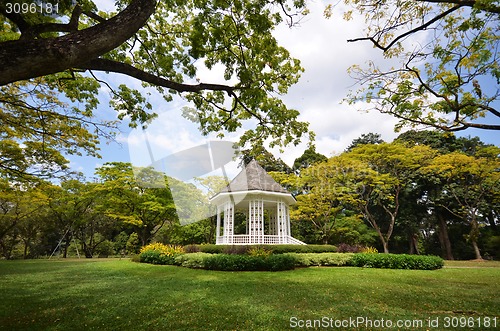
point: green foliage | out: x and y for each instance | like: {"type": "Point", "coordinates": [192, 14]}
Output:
{"type": "Point", "coordinates": [259, 251]}
{"type": "Point", "coordinates": [211, 248]}
{"type": "Point", "coordinates": [308, 158]}
{"type": "Point", "coordinates": [449, 82]}
{"type": "Point", "coordinates": [180, 38]}
{"type": "Point", "coordinates": [132, 244]}
{"type": "Point", "coordinates": [155, 257]}
{"type": "Point", "coordinates": [365, 139]}
{"type": "Point", "coordinates": [192, 260]}
{"type": "Point", "coordinates": [493, 246]}
{"type": "Point", "coordinates": [236, 262]}
{"type": "Point", "coordinates": [120, 242]}
{"type": "Point", "coordinates": [275, 249]}
{"type": "Point", "coordinates": [232, 262]}
{"type": "Point", "coordinates": [105, 248]}
{"type": "Point", "coordinates": [396, 261]}
{"type": "Point", "coordinates": [322, 259]}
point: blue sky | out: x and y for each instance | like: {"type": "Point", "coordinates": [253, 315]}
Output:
{"type": "Point", "coordinates": [321, 46]}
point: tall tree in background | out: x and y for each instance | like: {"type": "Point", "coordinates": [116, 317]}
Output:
{"type": "Point", "coordinates": [141, 201]}
{"type": "Point", "coordinates": [390, 171]}
{"type": "Point", "coordinates": [468, 184]}
{"type": "Point", "coordinates": [308, 158]}
{"type": "Point", "coordinates": [46, 58]}
{"type": "Point", "coordinates": [364, 139]}
{"type": "Point", "coordinates": [447, 72]}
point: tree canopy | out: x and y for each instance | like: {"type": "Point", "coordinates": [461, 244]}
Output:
{"type": "Point", "coordinates": [65, 59]}
{"type": "Point", "coordinates": [442, 65]}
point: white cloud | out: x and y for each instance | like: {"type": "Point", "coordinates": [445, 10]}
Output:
{"type": "Point", "coordinates": [321, 46]}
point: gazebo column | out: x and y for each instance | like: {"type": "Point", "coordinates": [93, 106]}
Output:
{"type": "Point", "coordinates": [281, 218]}
{"type": "Point", "coordinates": [287, 220]}
{"type": "Point", "coordinates": [217, 229]}
{"type": "Point", "coordinates": [256, 221]}
{"type": "Point", "coordinates": [228, 222]}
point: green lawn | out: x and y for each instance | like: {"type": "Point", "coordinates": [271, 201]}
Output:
{"type": "Point", "coordinates": [123, 295]}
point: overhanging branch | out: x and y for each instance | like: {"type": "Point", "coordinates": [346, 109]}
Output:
{"type": "Point", "coordinates": [26, 59]}
{"type": "Point", "coordinates": [407, 33]}
{"type": "Point", "coordinates": [127, 69]}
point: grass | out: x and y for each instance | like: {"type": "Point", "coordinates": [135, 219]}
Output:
{"type": "Point", "coordinates": [122, 295]}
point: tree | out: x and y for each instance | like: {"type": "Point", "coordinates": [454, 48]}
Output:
{"type": "Point", "coordinates": [162, 44]}
{"type": "Point", "coordinates": [369, 138]}
{"type": "Point", "coordinates": [136, 200]}
{"type": "Point", "coordinates": [328, 188]}
{"type": "Point", "coordinates": [447, 71]}
{"type": "Point", "coordinates": [389, 172]}
{"type": "Point", "coordinates": [265, 159]}
{"type": "Point", "coordinates": [308, 158]}
{"type": "Point", "coordinates": [22, 211]}
{"type": "Point", "coordinates": [469, 183]}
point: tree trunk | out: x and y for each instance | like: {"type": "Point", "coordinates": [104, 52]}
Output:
{"type": "Point", "coordinates": [66, 246]}
{"type": "Point", "coordinates": [444, 238]}
{"type": "Point", "coordinates": [476, 250]}
{"type": "Point", "coordinates": [413, 242]}
{"type": "Point", "coordinates": [25, 59]}
{"type": "Point", "coordinates": [386, 246]}
{"type": "Point", "coordinates": [474, 235]}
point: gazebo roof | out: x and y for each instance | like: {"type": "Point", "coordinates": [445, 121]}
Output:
{"type": "Point", "coordinates": [253, 178]}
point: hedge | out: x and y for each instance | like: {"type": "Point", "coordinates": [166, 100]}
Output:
{"type": "Point", "coordinates": [321, 259]}
{"type": "Point", "coordinates": [397, 261]}
{"type": "Point", "coordinates": [288, 261]}
{"type": "Point", "coordinates": [275, 249]}
{"type": "Point", "coordinates": [236, 262]}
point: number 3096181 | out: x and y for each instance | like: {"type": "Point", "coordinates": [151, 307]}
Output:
{"type": "Point", "coordinates": [31, 8]}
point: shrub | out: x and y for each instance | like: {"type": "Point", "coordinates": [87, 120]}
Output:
{"type": "Point", "coordinates": [158, 253]}
{"type": "Point", "coordinates": [232, 262]}
{"type": "Point", "coordinates": [322, 249]}
{"type": "Point", "coordinates": [280, 262]}
{"type": "Point", "coordinates": [132, 244]}
{"type": "Point", "coordinates": [369, 250]}
{"type": "Point", "coordinates": [259, 251]}
{"type": "Point", "coordinates": [321, 259]}
{"type": "Point", "coordinates": [105, 249]}
{"type": "Point", "coordinates": [275, 249]}
{"type": "Point", "coordinates": [235, 249]}
{"type": "Point", "coordinates": [211, 248]}
{"type": "Point", "coordinates": [347, 248]}
{"type": "Point", "coordinates": [192, 260]}
{"type": "Point", "coordinates": [397, 261]}
{"type": "Point", "coordinates": [191, 248]}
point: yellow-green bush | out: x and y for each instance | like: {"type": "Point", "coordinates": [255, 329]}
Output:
{"type": "Point", "coordinates": [158, 253]}
{"type": "Point", "coordinates": [369, 250]}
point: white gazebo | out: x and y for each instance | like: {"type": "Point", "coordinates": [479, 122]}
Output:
{"type": "Point", "coordinates": [263, 202]}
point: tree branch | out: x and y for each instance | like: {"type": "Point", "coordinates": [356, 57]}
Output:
{"type": "Point", "coordinates": [126, 69]}
{"type": "Point", "coordinates": [25, 59]}
{"type": "Point", "coordinates": [407, 33]}
{"type": "Point", "coordinates": [490, 8]}
{"type": "Point", "coordinates": [36, 30]}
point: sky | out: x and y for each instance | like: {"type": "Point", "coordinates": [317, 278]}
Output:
{"type": "Point", "coordinates": [321, 46]}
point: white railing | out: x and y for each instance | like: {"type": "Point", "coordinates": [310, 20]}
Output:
{"type": "Point", "coordinates": [244, 239]}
